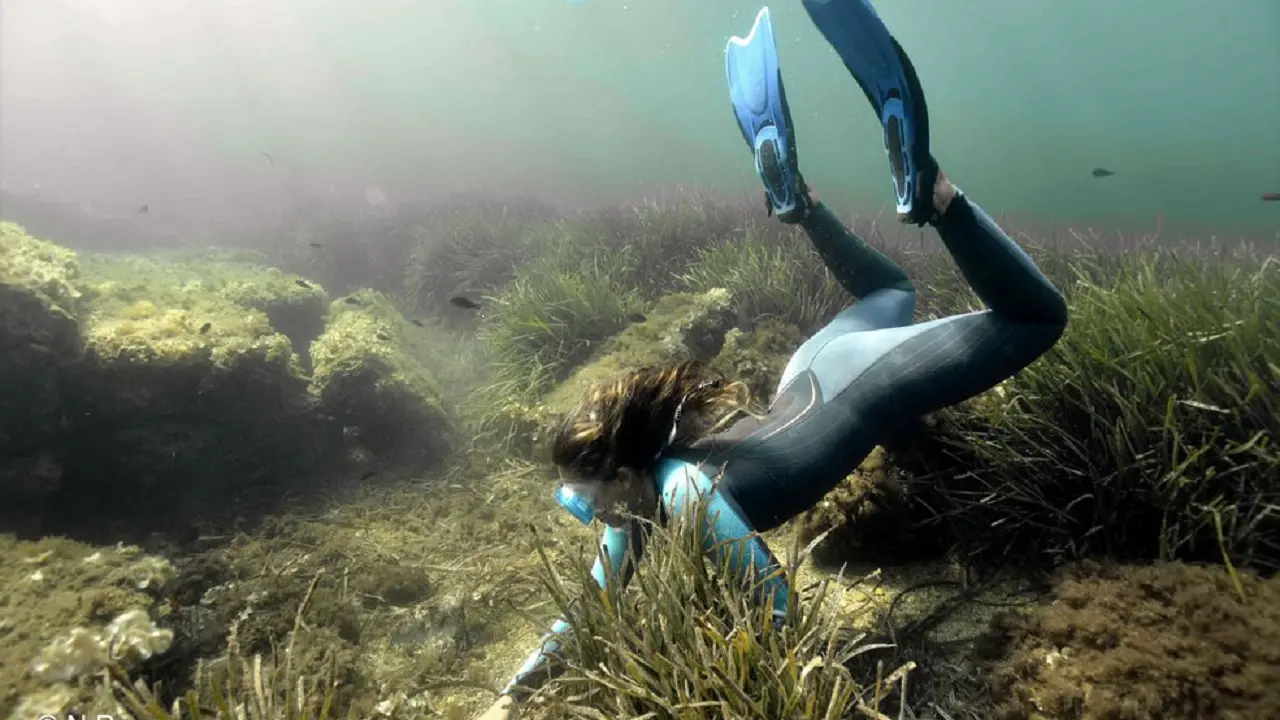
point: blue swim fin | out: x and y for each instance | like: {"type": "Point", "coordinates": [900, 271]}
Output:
{"type": "Point", "coordinates": [760, 105]}
{"type": "Point", "coordinates": [885, 74]}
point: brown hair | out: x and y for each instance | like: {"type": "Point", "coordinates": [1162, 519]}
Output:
{"type": "Point", "coordinates": [630, 421]}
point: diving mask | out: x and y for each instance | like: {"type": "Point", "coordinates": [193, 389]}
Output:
{"type": "Point", "coordinates": [578, 500]}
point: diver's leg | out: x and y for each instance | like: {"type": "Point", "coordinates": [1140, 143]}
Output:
{"type": "Point", "coordinates": [957, 357]}
{"type": "Point", "coordinates": [885, 296]}
{"type": "Point", "coordinates": [858, 267]}
{"type": "Point", "coordinates": [859, 386]}
{"type": "Point", "coordinates": [999, 271]}
{"type": "Point", "coordinates": [848, 388]}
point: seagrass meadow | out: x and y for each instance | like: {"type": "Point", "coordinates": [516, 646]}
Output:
{"type": "Point", "coordinates": [319, 489]}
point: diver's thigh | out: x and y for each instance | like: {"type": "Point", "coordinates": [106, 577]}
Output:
{"type": "Point", "coordinates": [839, 359]}
{"type": "Point", "coordinates": [877, 312]}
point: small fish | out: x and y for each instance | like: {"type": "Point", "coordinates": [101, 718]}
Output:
{"type": "Point", "coordinates": [1102, 172]}
{"type": "Point", "coordinates": [144, 209]}
{"type": "Point", "coordinates": [383, 336]}
{"type": "Point", "coordinates": [464, 303]}
{"type": "Point", "coordinates": [1271, 197]}
{"type": "Point", "coordinates": [636, 317]}
{"type": "Point", "coordinates": [417, 322]}
{"type": "Point", "coordinates": [350, 300]}
{"type": "Point", "coordinates": [205, 327]}
{"type": "Point", "coordinates": [367, 475]}
{"type": "Point", "coordinates": [270, 159]}
{"type": "Point", "coordinates": [317, 245]}
{"type": "Point", "coordinates": [303, 284]}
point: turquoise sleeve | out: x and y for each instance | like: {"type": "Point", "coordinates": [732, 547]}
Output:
{"type": "Point", "coordinates": [611, 561]}
{"type": "Point", "coordinates": [729, 537]}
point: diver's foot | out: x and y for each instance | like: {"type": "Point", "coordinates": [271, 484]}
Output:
{"type": "Point", "coordinates": [932, 204]}
{"type": "Point", "coordinates": [785, 191]}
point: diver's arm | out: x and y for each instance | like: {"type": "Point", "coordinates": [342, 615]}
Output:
{"type": "Point", "coordinates": [613, 559]}
{"type": "Point", "coordinates": [729, 538]}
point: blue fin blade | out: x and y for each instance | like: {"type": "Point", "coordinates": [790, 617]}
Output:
{"type": "Point", "coordinates": [760, 107]}
{"type": "Point", "coordinates": [874, 59]}
{"type": "Point", "coordinates": [755, 80]}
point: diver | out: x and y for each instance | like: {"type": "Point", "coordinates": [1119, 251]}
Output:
{"type": "Point", "coordinates": [651, 443]}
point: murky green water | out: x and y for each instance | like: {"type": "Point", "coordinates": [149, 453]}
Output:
{"type": "Point", "coordinates": [607, 99]}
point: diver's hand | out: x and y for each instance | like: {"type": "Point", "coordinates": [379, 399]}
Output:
{"type": "Point", "coordinates": [504, 709]}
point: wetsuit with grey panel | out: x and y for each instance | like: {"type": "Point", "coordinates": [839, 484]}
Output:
{"type": "Point", "coordinates": [860, 377]}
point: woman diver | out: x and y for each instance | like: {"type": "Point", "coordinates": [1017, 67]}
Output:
{"type": "Point", "coordinates": [641, 444]}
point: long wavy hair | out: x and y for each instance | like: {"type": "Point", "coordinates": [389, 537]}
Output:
{"type": "Point", "coordinates": [630, 421]}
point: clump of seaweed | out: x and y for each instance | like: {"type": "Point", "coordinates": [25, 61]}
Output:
{"type": "Point", "coordinates": [772, 275]}
{"type": "Point", "coordinates": [467, 250]}
{"type": "Point", "coordinates": [691, 639]}
{"type": "Point", "coordinates": [1169, 641]}
{"type": "Point", "coordinates": [1148, 431]}
{"type": "Point", "coordinates": [551, 318]}
{"type": "Point", "coordinates": [657, 241]}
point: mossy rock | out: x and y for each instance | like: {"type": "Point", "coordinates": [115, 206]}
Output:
{"type": "Point", "coordinates": [53, 587]}
{"type": "Point", "coordinates": [186, 308]}
{"type": "Point", "coordinates": [679, 327]}
{"type": "Point", "coordinates": [294, 307]}
{"type": "Point", "coordinates": [758, 356]}
{"type": "Point", "coordinates": [868, 520]}
{"type": "Point", "coordinates": [39, 339]}
{"type": "Point", "coordinates": [1170, 640]}
{"type": "Point", "coordinates": [367, 375]}
{"type": "Point", "coordinates": [184, 400]}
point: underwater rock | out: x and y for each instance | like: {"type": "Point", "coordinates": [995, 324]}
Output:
{"type": "Point", "coordinates": [67, 607]}
{"type": "Point", "coordinates": [868, 520]}
{"type": "Point", "coordinates": [680, 326]}
{"type": "Point", "coordinates": [184, 399]}
{"type": "Point", "coordinates": [367, 375]}
{"type": "Point", "coordinates": [39, 339]}
{"type": "Point", "coordinates": [1169, 640]}
{"type": "Point", "coordinates": [695, 324]}
{"type": "Point", "coordinates": [758, 356]}
{"type": "Point", "coordinates": [294, 310]}
{"type": "Point", "coordinates": [162, 388]}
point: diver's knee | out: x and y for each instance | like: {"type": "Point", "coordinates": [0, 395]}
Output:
{"type": "Point", "coordinates": [1057, 314]}
{"type": "Point", "coordinates": [1051, 328]}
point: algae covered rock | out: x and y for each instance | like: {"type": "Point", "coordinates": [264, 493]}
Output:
{"type": "Point", "coordinates": [67, 608]}
{"type": "Point", "coordinates": [145, 391]}
{"type": "Point", "coordinates": [758, 356]}
{"type": "Point", "coordinates": [184, 397]}
{"type": "Point", "coordinates": [294, 307]}
{"type": "Point", "coordinates": [150, 311]}
{"type": "Point", "coordinates": [39, 338]}
{"type": "Point", "coordinates": [367, 375]}
{"type": "Point", "coordinates": [1169, 640]}
{"type": "Point", "coordinates": [680, 326]}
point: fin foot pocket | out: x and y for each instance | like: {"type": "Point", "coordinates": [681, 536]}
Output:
{"type": "Point", "coordinates": [760, 108]}
{"type": "Point", "coordinates": [884, 72]}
